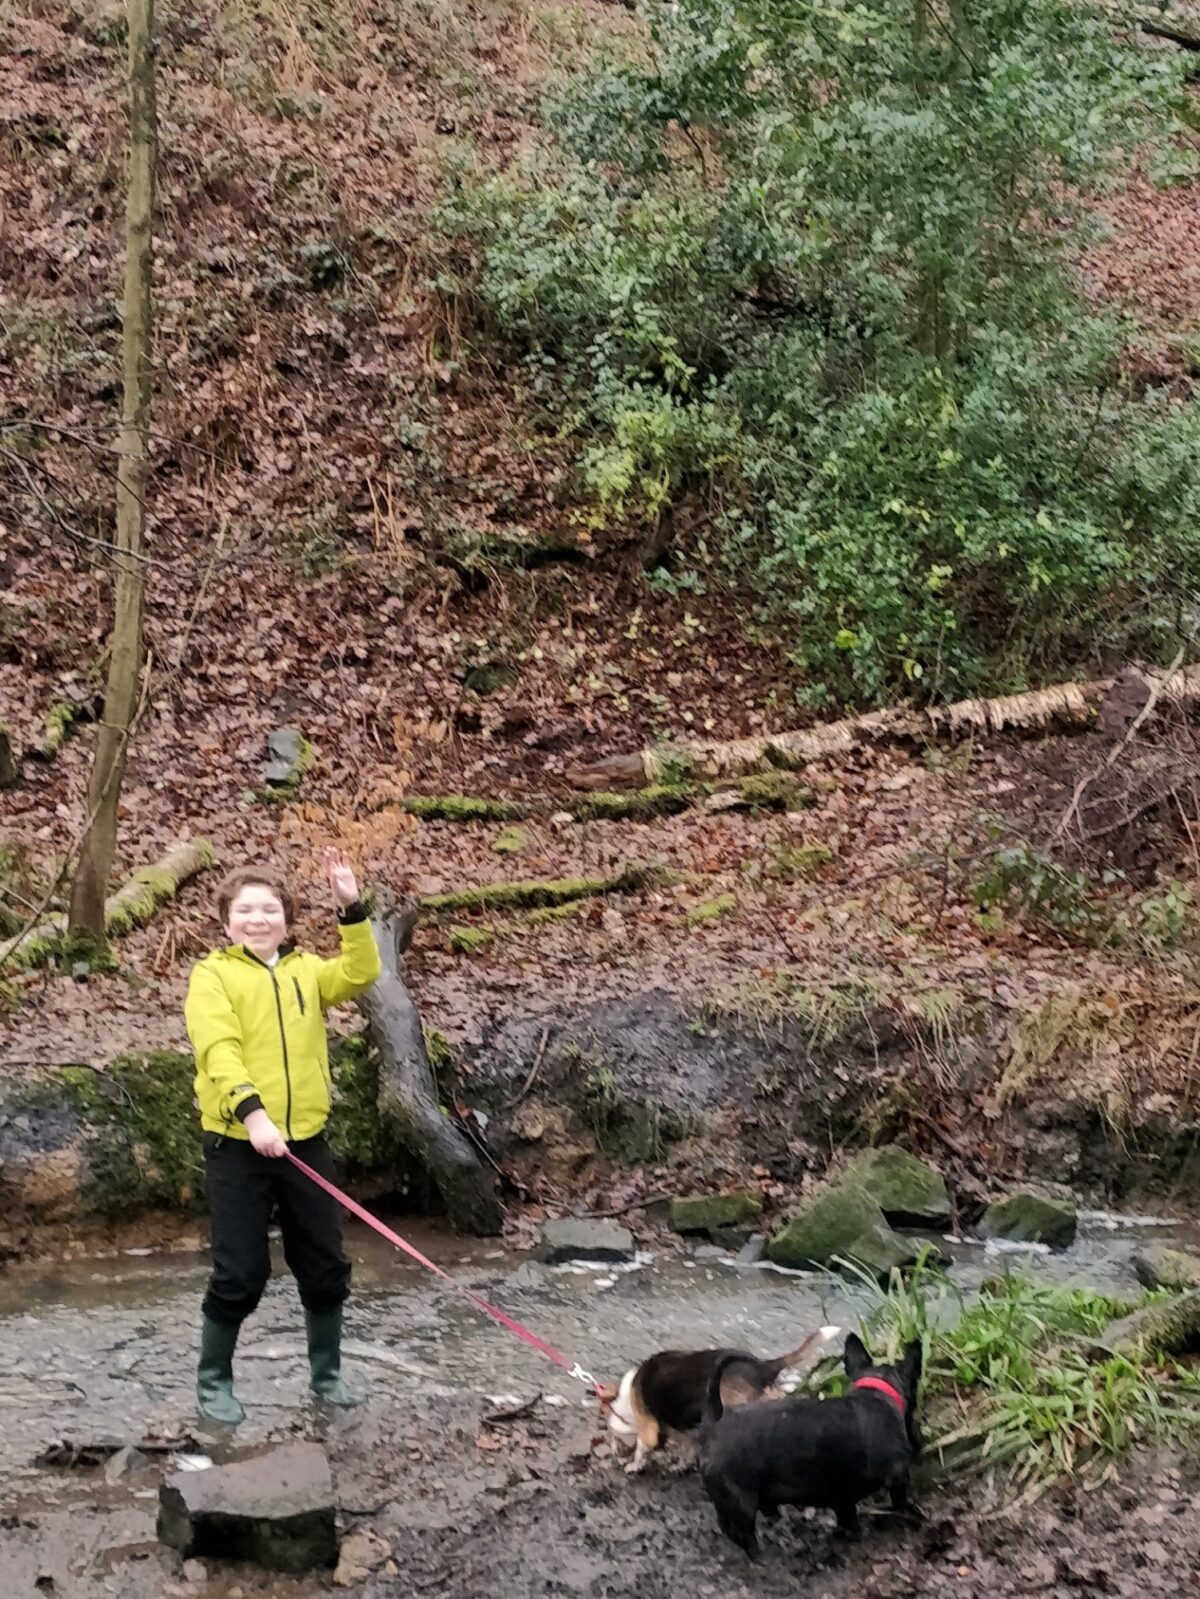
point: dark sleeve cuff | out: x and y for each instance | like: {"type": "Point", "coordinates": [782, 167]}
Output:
{"type": "Point", "coordinates": [247, 1106]}
{"type": "Point", "coordinates": [357, 912]}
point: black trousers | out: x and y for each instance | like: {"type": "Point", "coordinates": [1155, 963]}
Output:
{"type": "Point", "coordinates": [245, 1190]}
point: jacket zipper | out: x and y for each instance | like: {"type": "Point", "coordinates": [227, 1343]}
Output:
{"type": "Point", "coordinates": [299, 995]}
{"type": "Point", "coordinates": [287, 1070]}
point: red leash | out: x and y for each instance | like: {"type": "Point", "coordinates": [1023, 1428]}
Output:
{"type": "Point", "coordinates": [556, 1355]}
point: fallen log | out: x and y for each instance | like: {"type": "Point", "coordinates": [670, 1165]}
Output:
{"type": "Point", "coordinates": [1171, 1326]}
{"type": "Point", "coordinates": [133, 904]}
{"type": "Point", "coordinates": [536, 892]}
{"type": "Point", "coordinates": [770, 791]}
{"type": "Point", "coordinates": [407, 1099]}
{"type": "Point", "coordinates": [1065, 707]}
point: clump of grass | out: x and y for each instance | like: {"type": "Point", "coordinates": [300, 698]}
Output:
{"type": "Point", "coordinates": [1012, 1391]}
{"type": "Point", "coordinates": [825, 1012]}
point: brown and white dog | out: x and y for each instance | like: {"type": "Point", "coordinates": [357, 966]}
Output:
{"type": "Point", "coordinates": [667, 1393]}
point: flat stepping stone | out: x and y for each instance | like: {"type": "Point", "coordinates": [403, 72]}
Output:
{"type": "Point", "coordinates": [277, 1510]}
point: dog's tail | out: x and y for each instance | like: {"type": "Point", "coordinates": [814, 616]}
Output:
{"type": "Point", "coordinates": [714, 1407]}
{"type": "Point", "coordinates": [808, 1353]}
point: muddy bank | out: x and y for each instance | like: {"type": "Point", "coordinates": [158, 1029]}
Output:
{"type": "Point", "coordinates": [767, 1085]}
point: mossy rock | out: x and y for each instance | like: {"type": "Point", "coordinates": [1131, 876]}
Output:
{"type": "Point", "coordinates": [491, 677]}
{"type": "Point", "coordinates": [1172, 1328]}
{"type": "Point", "coordinates": [1159, 1266]}
{"type": "Point", "coordinates": [129, 1139]}
{"type": "Point", "coordinates": [358, 1137]}
{"type": "Point", "coordinates": [909, 1193]}
{"type": "Point", "coordinates": [1029, 1218]}
{"type": "Point", "coordinates": [842, 1224]}
{"type": "Point", "coordinates": [142, 1133]}
{"type": "Point", "coordinates": [709, 1213]}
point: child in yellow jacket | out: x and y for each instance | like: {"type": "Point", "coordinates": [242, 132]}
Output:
{"type": "Point", "coordinates": [255, 1016]}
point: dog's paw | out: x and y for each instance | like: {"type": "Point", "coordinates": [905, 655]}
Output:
{"type": "Point", "coordinates": [635, 1468]}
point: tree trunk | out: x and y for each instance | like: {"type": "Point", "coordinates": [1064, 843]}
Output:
{"type": "Point", "coordinates": [406, 1092]}
{"type": "Point", "coordinates": [87, 918]}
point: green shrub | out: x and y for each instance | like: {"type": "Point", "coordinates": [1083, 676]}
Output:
{"type": "Point", "coordinates": [819, 270]}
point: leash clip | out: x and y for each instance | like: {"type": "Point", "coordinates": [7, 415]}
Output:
{"type": "Point", "coordinates": [582, 1376]}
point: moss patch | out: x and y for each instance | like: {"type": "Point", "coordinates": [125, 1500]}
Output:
{"type": "Point", "coordinates": [510, 841]}
{"type": "Point", "coordinates": [60, 718]}
{"type": "Point", "coordinates": [142, 1137]}
{"type": "Point", "coordinates": [770, 791]}
{"type": "Point", "coordinates": [711, 910]}
{"type": "Point", "coordinates": [357, 1137]}
{"type": "Point", "coordinates": [706, 1213]}
{"type": "Point", "coordinates": [144, 1151]}
{"type": "Point", "coordinates": [470, 940]}
{"type": "Point", "coordinates": [797, 863]}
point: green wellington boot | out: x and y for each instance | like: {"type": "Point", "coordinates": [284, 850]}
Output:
{"type": "Point", "coordinates": [214, 1377]}
{"type": "Point", "coordinates": [325, 1357]}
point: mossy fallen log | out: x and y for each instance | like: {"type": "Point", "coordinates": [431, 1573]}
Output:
{"type": "Point", "coordinates": [543, 892]}
{"type": "Point", "coordinates": [133, 904]}
{"type": "Point", "coordinates": [1170, 1326]}
{"type": "Point", "coordinates": [462, 808]}
{"type": "Point", "coordinates": [773, 791]}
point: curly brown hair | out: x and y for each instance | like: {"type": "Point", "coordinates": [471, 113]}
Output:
{"type": "Point", "coordinates": [255, 877]}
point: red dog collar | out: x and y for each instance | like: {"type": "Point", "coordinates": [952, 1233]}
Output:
{"type": "Point", "coordinates": [882, 1387]}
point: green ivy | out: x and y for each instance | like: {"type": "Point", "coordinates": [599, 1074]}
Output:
{"type": "Point", "coordinates": [817, 266]}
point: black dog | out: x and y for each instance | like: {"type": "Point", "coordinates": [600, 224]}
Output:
{"type": "Point", "coordinates": [832, 1452]}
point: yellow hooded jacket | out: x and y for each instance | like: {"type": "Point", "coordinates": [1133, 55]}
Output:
{"type": "Point", "coordinates": [259, 1031]}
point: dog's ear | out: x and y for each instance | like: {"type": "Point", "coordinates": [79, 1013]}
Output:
{"type": "Point", "coordinates": [910, 1366]}
{"type": "Point", "coordinates": [856, 1357]}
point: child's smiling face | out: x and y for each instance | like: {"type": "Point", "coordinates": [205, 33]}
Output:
{"type": "Point", "coordinates": [257, 920]}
